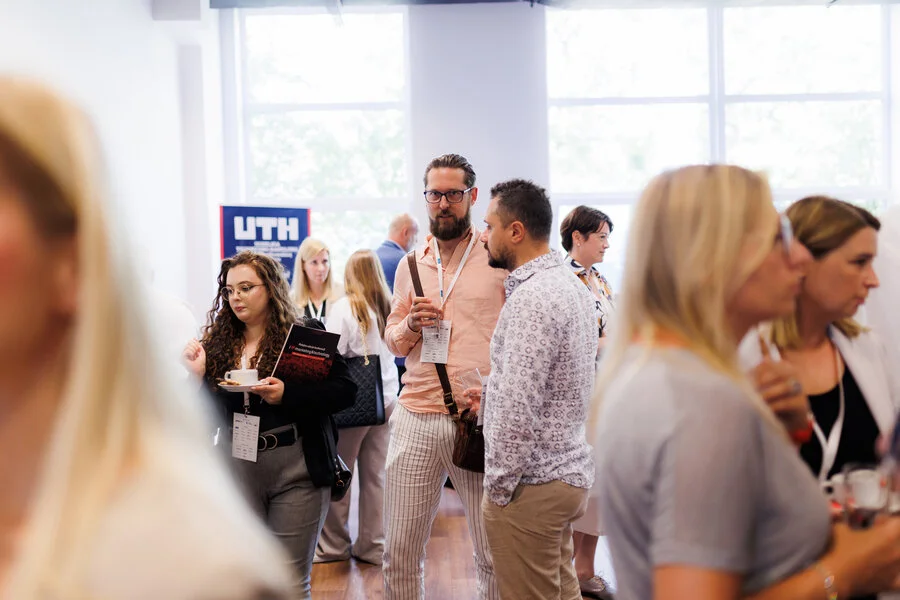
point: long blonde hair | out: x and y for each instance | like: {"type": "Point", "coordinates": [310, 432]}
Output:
{"type": "Point", "coordinates": [120, 413]}
{"type": "Point", "coordinates": [822, 225]}
{"type": "Point", "coordinates": [686, 258]}
{"type": "Point", "coordinates": [366, 288]}
{"type": "Point", "coordinates": [308, 250]}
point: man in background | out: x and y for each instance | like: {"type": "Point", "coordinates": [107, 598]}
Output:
{"type": "Point", "coordinates": [403, 233]}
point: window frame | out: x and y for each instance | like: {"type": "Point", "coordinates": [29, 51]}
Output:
{"type": "Point", "coordinates": [239, 111]}
{"type": "Point", "coordinates": [717, 101]}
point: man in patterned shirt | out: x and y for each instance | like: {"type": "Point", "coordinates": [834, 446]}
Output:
{"type": "Point", "coordinates": [538, 465]}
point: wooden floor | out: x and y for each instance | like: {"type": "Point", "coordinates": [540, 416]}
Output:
{"type": "Point", "coordinates": [449, 566]}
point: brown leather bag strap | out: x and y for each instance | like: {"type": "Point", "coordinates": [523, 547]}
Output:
{"type": "Point", "coordinates": [441, 369]}
{"type": "Point", "coordinates": [414, 273]}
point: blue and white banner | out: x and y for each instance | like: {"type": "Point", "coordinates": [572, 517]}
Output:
{"type": "Point", "coordinates": [273, 231]}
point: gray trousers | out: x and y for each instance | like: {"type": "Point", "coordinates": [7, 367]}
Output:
{"type": "Point", "coordinates": [279, 489]}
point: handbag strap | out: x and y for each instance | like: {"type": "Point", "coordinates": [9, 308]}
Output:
{"type": "Point", "coordinates": [441, 368]}
{"type": "Point", "coordinates": [330, 443]}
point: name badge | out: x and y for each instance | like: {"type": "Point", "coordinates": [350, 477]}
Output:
{"type": "Point", "coordinates": [245, 440]}
{"type": "Point", "coordinates": [436, 343]}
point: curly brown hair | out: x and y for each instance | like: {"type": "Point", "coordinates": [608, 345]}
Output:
{"type": "Point", "coordinates": [223, 335]}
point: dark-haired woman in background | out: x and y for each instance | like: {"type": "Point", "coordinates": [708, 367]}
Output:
{"type": "Point", "coordinates": [289, 484]}
{"type": "Point", "coordinates": [585, 236]}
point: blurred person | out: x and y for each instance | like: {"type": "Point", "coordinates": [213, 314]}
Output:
{"type": "Point", "coordinates": [463, 298]}
{"type": "Point", "coordinates": [538, 465]}
{"type": "Point", "coordinates": [174, 322]}
{"type": "Point", "coordinates": [313, 287]}
{"type": "Point", "coordinates": [821, 353]}
{"type": "Point", "coordinates": [585, 237]}
{"type": "Point", "coordinates": [110, 486]}
{"type": "Point", "coordinates": [289, 483]}
{"type": "Point", "coordinates": [359, 318]}
{"type": "Point", "coordinates": [403, 234]}
{"type": "Point", "coordinates": [701, 492]}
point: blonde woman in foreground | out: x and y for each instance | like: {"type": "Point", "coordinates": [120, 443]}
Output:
{"type": "Point", "coordinates": [111, 488]}
{"type": "Point", "coordinates": [703, 495]}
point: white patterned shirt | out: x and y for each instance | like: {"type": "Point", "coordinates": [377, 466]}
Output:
{"type": "Point", "coordinates": [542, 377]}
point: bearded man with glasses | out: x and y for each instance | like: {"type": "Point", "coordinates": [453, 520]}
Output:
{"type": "Point", "coordinates": [446, 327]}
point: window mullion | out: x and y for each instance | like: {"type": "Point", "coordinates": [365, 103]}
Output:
{"type": "Point", "coordinates": [716, 84]}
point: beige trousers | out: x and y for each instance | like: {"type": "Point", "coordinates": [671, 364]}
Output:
{"type": "Point", "coordinates": [364, 449]}
{"type": "Point", "coordinates": [531, 541]}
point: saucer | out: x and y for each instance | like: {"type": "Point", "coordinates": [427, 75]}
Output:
{"type": "Point", "coordinates": [240, 388]}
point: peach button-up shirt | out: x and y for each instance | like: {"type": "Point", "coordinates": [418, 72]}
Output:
{"type": "Point", "coordinates": [473, 308]}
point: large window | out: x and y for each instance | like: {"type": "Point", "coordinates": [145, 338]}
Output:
{"type": "Point", "coordinates": [324, 119]}
{"type": "Point", "coordinates": [799, 92]}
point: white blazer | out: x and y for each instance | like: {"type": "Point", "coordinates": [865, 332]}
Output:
{"type": "Point", "coordinates": [867, 359]}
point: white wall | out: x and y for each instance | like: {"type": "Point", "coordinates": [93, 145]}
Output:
{"type": "Point", "coordinates": [478, 88]}
{"type": "Point", "coordinates": [123, 67]}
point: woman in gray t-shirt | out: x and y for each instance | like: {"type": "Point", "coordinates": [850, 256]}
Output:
{"type": "Point", "coordinates": [701, 492]}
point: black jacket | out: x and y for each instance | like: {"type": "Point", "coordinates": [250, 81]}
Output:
{"type": "Point", "coordinates": [309, 405]}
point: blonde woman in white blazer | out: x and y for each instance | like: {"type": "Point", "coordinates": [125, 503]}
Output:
{"type": "Point", "coordinates": [821, 352]}
{"type": "Point", "coordinates": [865, 356]}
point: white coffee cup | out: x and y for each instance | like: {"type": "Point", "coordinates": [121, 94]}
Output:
{"type": "Point", "coordinates": [834, 488]}
{"type": "Point", "coordinates": [243, 376]}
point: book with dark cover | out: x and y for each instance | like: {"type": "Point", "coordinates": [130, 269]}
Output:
{"type": "Point", "coordinates": [307, 354]}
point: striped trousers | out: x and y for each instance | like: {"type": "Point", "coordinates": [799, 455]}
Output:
{"type": "Point", "coordinates": [418, 462]}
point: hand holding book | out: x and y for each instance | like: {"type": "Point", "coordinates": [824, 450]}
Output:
{"type": "Point", "coordinates": [307, 355]}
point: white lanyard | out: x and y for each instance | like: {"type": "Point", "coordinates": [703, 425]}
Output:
{"type": "Point", "coordinates": [246, 394]}
{"type": "Point", "coordinates": [312, 309]}
{"type": "Point", "coordinates": [440, 265]}
{"type": "Point", "coordinates": [830, 446]}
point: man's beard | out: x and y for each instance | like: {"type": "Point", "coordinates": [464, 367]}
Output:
{"type": "Point", "coordinates": [455, 229]}
{"type": "Point", "coordinates": [501, 260]}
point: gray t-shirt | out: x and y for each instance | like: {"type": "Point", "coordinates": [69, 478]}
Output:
{"type": "Point", "coordinates": [690, 473]}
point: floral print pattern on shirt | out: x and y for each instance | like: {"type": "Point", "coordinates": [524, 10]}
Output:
{"type": "Point", "coordinates": [601, 290]}
{"type": "Point", "coordinates": [542, 376]}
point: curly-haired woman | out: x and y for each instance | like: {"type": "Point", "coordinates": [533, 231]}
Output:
{"type": "Point", "coordinates": [289, 483]}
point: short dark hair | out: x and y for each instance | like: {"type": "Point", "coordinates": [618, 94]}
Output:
{"type": "Point", "coordinates": [527, 202]}
{"type": "Point", "coordinates": [452, 161]}
{"type": "Point", "coordinates": [585, 220]}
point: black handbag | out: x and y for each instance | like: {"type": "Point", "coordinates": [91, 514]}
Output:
{"type": "Point", "coordinates": [340, 484]}
{"type": "Point", "coordinates": [468, 445]}
{"type": "Point", "coordinates": [368, 409]}
{"type": "Point", "coordinates": [342, 478]}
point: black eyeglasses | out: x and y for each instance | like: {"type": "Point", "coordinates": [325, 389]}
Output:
{"type": "Point", "coordinates": [453, 196]}
{"type": "Point", "coordinates": [785, 234]}
{"type": "Point", "coordinates": [241, 290]}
